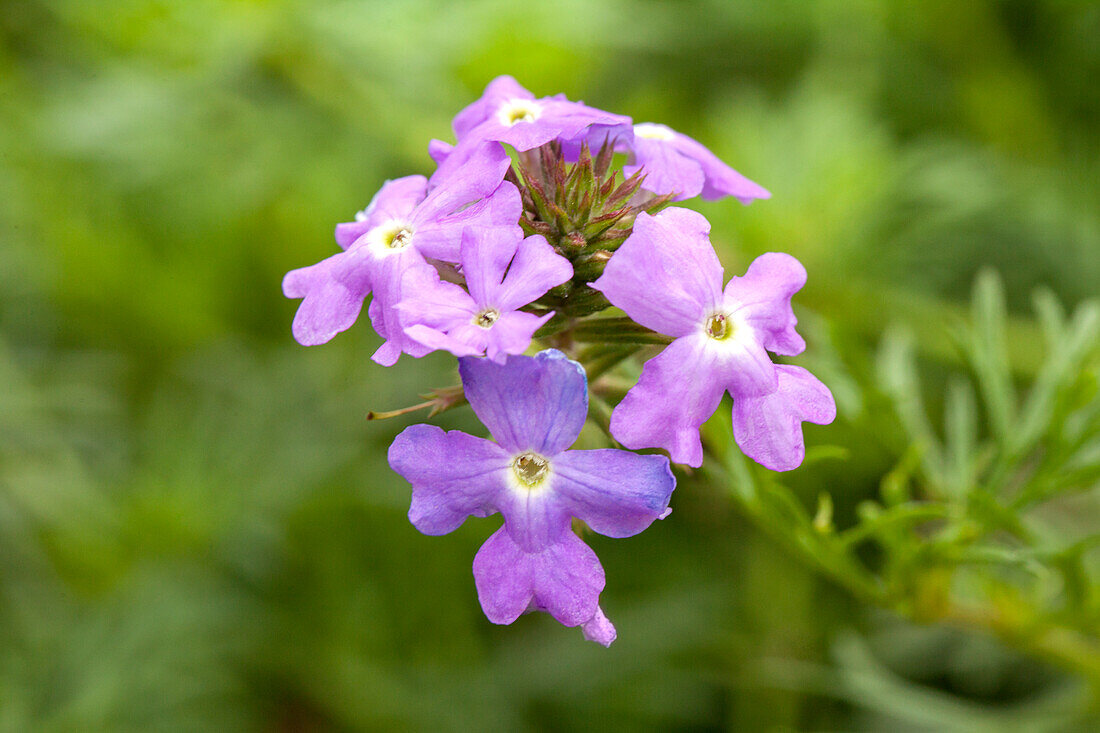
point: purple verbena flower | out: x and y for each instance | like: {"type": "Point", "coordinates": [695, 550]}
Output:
{"type": "Point", "coordinates": [534, 407]}
{"type": "Point", "coordinates": [486, 320]}
{"type": "Point", "coordinates": [508, 113]}
{"type": "Point", "coordinates": [409, 219]}
{"type": "Point", "coordinates": [675, 163]}
{"type": "Point", "coordinates": [667, 277]}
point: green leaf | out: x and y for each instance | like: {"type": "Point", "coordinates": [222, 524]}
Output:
{"type": "Point", "coordinates": [988, 353]}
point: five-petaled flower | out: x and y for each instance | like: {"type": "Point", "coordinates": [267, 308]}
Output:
{"type": "Point", "coordinates": [534, 407]}
{"type": "Point", "coordinates": [667, 277]}
{"type": "Point", "coordinates": [503, 273]}
{"type": "Point", "coordinates": [508, 113]}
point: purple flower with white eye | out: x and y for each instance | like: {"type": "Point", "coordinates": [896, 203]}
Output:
{"type": "Point", "coordinates": [487, 320]}
{"type": "Point", "coordinates": [510, 114]}
{"type": "Point", "coordinates": [675, 163]}
{"type": "Point", "coordinates": [535, 408]}
{"type": "Point", "coordinates": [667, 277]}
{"type": "Point", "coordinates": [408, 220]}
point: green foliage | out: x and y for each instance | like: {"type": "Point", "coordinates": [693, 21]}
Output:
{"type": "Point", "coordinates": [977, 528]}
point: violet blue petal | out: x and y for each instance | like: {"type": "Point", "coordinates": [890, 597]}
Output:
{"type": "Point", "coordinates": [768, 429]}
{"type": "Point", "coordinates": [564, 579]}
{"type": "Point", "coordinates": [615, 492]}
{"type": "Point", "coordinates": [666, 170]}
{"type": "Point", "coordinates": [599, 629]}
{"type": "Point", "coordinates": [534, 403]}
{"type": "Point", "coordinates": [453, 476]}
{"type": "Point", "coordinates": [762, 296]}
{"type": "Point", "coordinates": [533, 518]}
{"type": "Point", "coordinates": [535, 269]}
{"type": "Point", "coordinates": [666, 275]}
{"type": "Point", "coordinates": [679, 389]}
{"type": "Point", "coordinates": [333, 291]}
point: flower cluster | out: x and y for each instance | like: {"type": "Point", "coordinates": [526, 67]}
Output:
{"type": "Point", "coordinates": [544, 213]}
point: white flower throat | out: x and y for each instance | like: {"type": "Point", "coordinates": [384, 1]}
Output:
{"type": "Point", "coordinates": [518, 110]}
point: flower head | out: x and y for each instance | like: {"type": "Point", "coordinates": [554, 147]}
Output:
{"type": "Point", "coordinates": [508, 113]}
{"type": "Point", "coordinates": [534, 407]}
{"type": "Point", "coordinates": [667, 277]}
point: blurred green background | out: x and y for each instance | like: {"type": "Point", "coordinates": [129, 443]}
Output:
{"type": "Point", "coordinates": [198, 530]}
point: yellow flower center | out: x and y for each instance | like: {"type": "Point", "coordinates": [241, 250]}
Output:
{"type": "Point", "coordinates": [397, 239]}
{"type": "Point", "coordinates": [487, 318]}
{"type": "Point", "coordinates": [719, 327]}
{"type": "Point", "coordinates": [530, 469]}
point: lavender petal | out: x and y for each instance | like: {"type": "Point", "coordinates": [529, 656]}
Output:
{"type": "Point", "coordinates": [453, 475]}
{"type": "Point", "coordinates": [768, 429]}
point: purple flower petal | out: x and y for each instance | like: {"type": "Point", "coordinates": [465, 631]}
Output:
{"type": "Point", "coordinates": [762, 296]}
{"type": "Point", "coordinates": [535, 269]}
{"type": "Point", "coordinates": [614, 492]}
{"type": "Point", "coordinates": [676, 163]}
{"type": "Point", "coordinates": [530, 403]}
{"type": "Point", "coordinates": [394, 201]}
{"type": "Point", "coordinates": [533, 518]}
{"type": "Point", "coordinates": [499, 91]}
{"type": "Point", "coordinates": [348, 232]}
{"type": "Point", "coordinates": [390, 273]}
{"type": "Point", "coordinates": [666, 275]}
{"type": "Point", "coordinates": [666, 170]}
{"type": "Point", "coordinates": [438, 340]}
{"type": "Point", "coordinates": [332, 291]}
{"type": "Point", "coordinates": [485, 255]}
{"type": "Point", "coordinates": [439, 150]}
{"type": "Point", "coordinates": [441, 238]}
{"type": "Point", "coordinates": [564, 579]}
{"type": "Point", "coordinates": [677, 392]}
{"type": "Point", "coordinates": [768, 429]}
{"type": "Point", "coordinates": [721, 180]}
{"type": "Point", "coordinates": [453, 475]}
{"type": "Point", "coordinates": [599, 629]}
{"type": "Point", "coordinates": [621, 136]}
{"type": "Point", "coordinates": [485, 321]}
{"type": "Point", "coordinates": [512, 334]}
